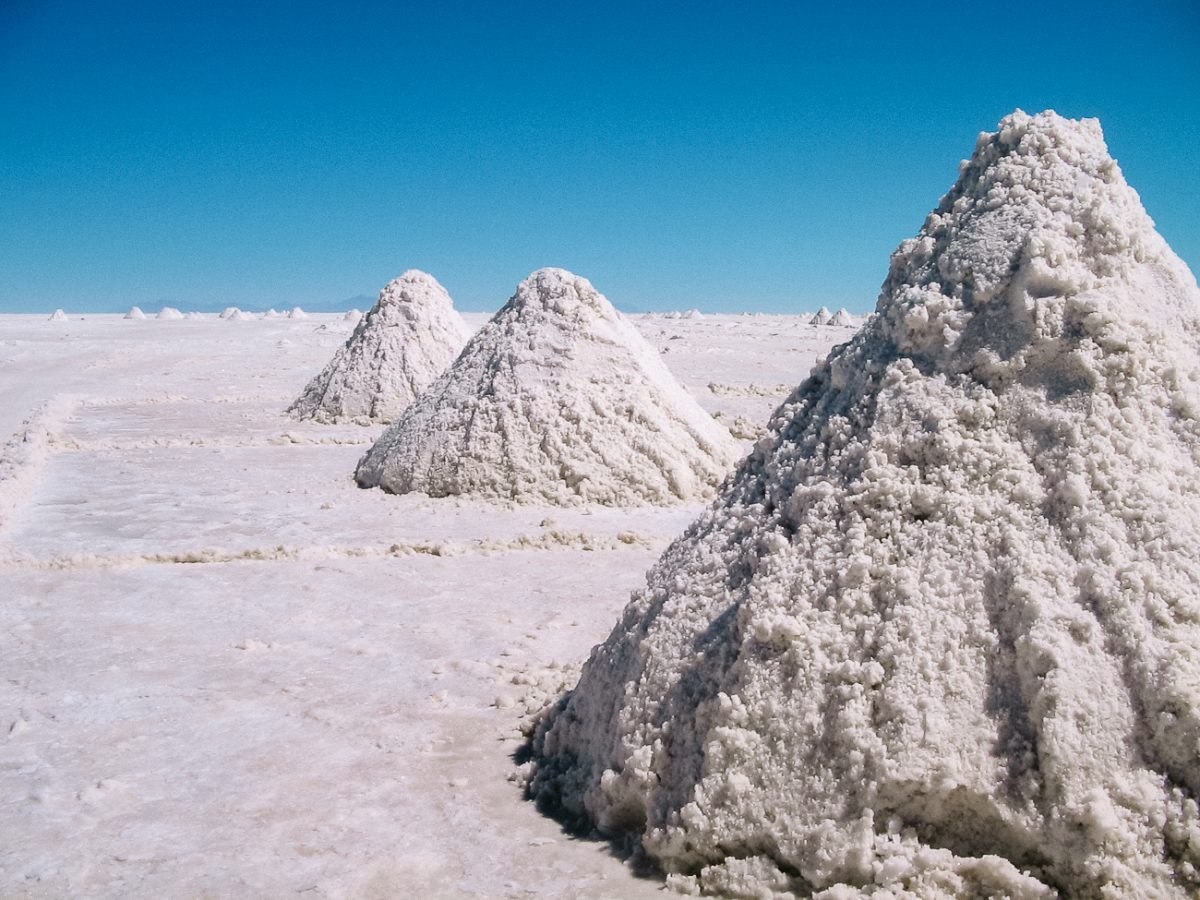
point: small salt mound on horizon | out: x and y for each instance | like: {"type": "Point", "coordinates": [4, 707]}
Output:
{"type": "Point", "coordinates": [297, 313]}
{"type": "Point", "coordinates": [940, 633]}
{"type": "Point", "coordinates": [57, 316]}
{"type": "Point", "coordinates": [272, 313]}
{"type": "Point", "coordinates": [238, 315]}
{"type": "Point", "coordinates": [822, 317]}
{"type": "Point", "coordinates": [169, 313]}
{"type": "Point", "coordinates": [229, 312]}
{"type": "Point", "coordinates": [135, 312]}
{"type": "Point", "coordinates": [557, 399]}
{"type": "Point", "coordinates": [352, 315]}
{"type": "Point", "coordinates": [193, 316]}
{"type": "Point", "coordinates": [842, 318]}
{"type": "Point", "coordinates": [395, 352]}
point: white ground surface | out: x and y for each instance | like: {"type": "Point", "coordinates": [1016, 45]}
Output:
{"type": "Point", "coordinates": [228, 671]}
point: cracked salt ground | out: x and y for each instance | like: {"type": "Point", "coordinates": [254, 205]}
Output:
{"type": "Point", "coordinates": [196, 706]}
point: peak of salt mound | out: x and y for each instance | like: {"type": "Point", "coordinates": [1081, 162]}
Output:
{"type": "Point", "coordinates": [822, 317]}
{"type": "Point", "coordinates": [135, 312]}
{"type": "Point", "coordinates": [405, 341]}
{"type": "Point", "coordinates": [169, 313]}
{"type": "Point", "coordinates": [57, 316]}
{"type": "Point", "coordinates": [940, 633]}
{"type": "Point", "coordinates": [558, 399]}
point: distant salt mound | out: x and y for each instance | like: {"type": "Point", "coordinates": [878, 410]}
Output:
{"type": "Point", "coordinates": [194, 316]}
{"type": "Point", "coordinates": [169, 313]}
{"type": "Point", "coordinates": [297, 313]}
{"type": "Point", "coordinates": [352, 315]}
{"type": "Point", "coordinates": [272, 314]}
{"type": "Point", "coordinates": [406, 341]}
{"type": "Point", "coordinates": [822, 317]}
{"type": "Point", "coordinates": [135, 312]}
{"type": "Point", "coordinates": [940, 634]}
{"type": "Point", "coordinates": [57, 316]}
{"type": "Point", "coordinates": [843, 318]}
{"type": "Point", "coordinates": [558, 399]}
{"type": "Point", "coordinates": [238, 315]}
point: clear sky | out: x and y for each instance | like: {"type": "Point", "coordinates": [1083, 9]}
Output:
{"type": "Point", "coordinates": [727, 156]}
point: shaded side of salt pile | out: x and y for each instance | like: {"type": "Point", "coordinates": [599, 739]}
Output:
{"type": "Point", "coordinates": [941, 631]}
{"type": "Point", "coordinates": [406, 341]}
{"type": "Point", "coordinates": [558, 399]}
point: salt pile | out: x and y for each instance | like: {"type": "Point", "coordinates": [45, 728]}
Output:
{"type": "Point", "coordinates": [352, 315]}
{"type": "Point", "coordinates": [406, 341]}
{"type": "Point", "coordinates": [843, 318]}
{"type": "Point", "coordinates": [822, 317]}
{"type": "Point", "coordinates": [135, 312]}
{"type": "Point", "coordinates": [297, 313]}
{"type": "Point", "coordinates": [229, 312]}
{"type": "Point", "coordinates": [558, 399]}
{"type": "Point", "coordinates": [57, 316]}
{"type": "Point", "coordinates": [170, 313]}
{"type": "Point", "coordinates": [237, 315]}
{"type": "Point", "coordinates": [941, 631]}
{"type": "Point", "coordinates": [194, 316]}
{"type": "Point", "coordinates": [272, 313]}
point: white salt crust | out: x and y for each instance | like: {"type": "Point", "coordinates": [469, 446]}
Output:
{"type": "Point", "coordinates": [557, 399]}
{"type": "Point", "coordinates": [405, 341]}
{"type": "Point", "coordinates": [940, 634]}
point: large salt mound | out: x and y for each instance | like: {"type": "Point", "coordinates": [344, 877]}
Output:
{"type": "Point", "coordinates": [941, 631]}
{"type": "Point", "coordinates": [822, 317]}
{"type": "Point", "coordinates": [135, 312]}
{"type": "Point", "coordinates": [558, 399]}
{"type": "Point", "coordinates": [404, 343]}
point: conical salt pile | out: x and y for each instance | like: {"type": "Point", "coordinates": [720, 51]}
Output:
{"type": "Point", "coordinates": [843, 318]}
{"type": "Point", "coordinates": [229, 312]}
{"type": "Point", "coordinates": [135, 312]}
{"type": "Point", "coordinates": [404, 343]}
{"type": "Point", "coordinates": [57, 316]}
{"type": "Point", "coordinates": [352, 315]}
{"type": "Point", "coordinates": [557, 399]}
{"type": "Point", "coordinates": [940, 634]}
{"type": "Point", "coordinates": [822, 317]}
{"type": "Point", "coordinates": [169, 313]}
{"type": "Point", "coordinates": [297, 313]}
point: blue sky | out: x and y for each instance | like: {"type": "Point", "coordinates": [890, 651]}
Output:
{"type": "Point", "coordinates": [728, 156]}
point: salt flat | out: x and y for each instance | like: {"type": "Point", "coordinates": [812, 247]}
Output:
{"type": "Point", "coordinates": [229, 671]}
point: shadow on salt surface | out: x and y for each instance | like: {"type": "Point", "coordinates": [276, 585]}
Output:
{"type": "Point", "coordinates": [212, 504]}
{"type": "Point", "coordinates": [259, 729]}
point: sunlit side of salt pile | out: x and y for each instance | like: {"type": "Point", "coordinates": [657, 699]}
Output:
{"type": "Point", "coordinates": [940, 634]}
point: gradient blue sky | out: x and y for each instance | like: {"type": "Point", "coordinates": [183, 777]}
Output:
{"type": "Point", "coordinates": [728, 156]}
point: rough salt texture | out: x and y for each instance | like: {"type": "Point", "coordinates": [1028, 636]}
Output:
{"type": "Point", "coordinates": [940, 635]}
{"type": "Point", "coordinates": [407, 339]}
{"type": "Point", "coordinates": [558, 399]}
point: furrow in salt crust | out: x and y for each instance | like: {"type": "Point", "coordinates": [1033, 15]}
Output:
{"type": "Point", "coordinates": [558, 399]}
{"type": "Point", "coordinates": [940, 634]}
{"type": "Point", "coordinates": [405, 341]}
